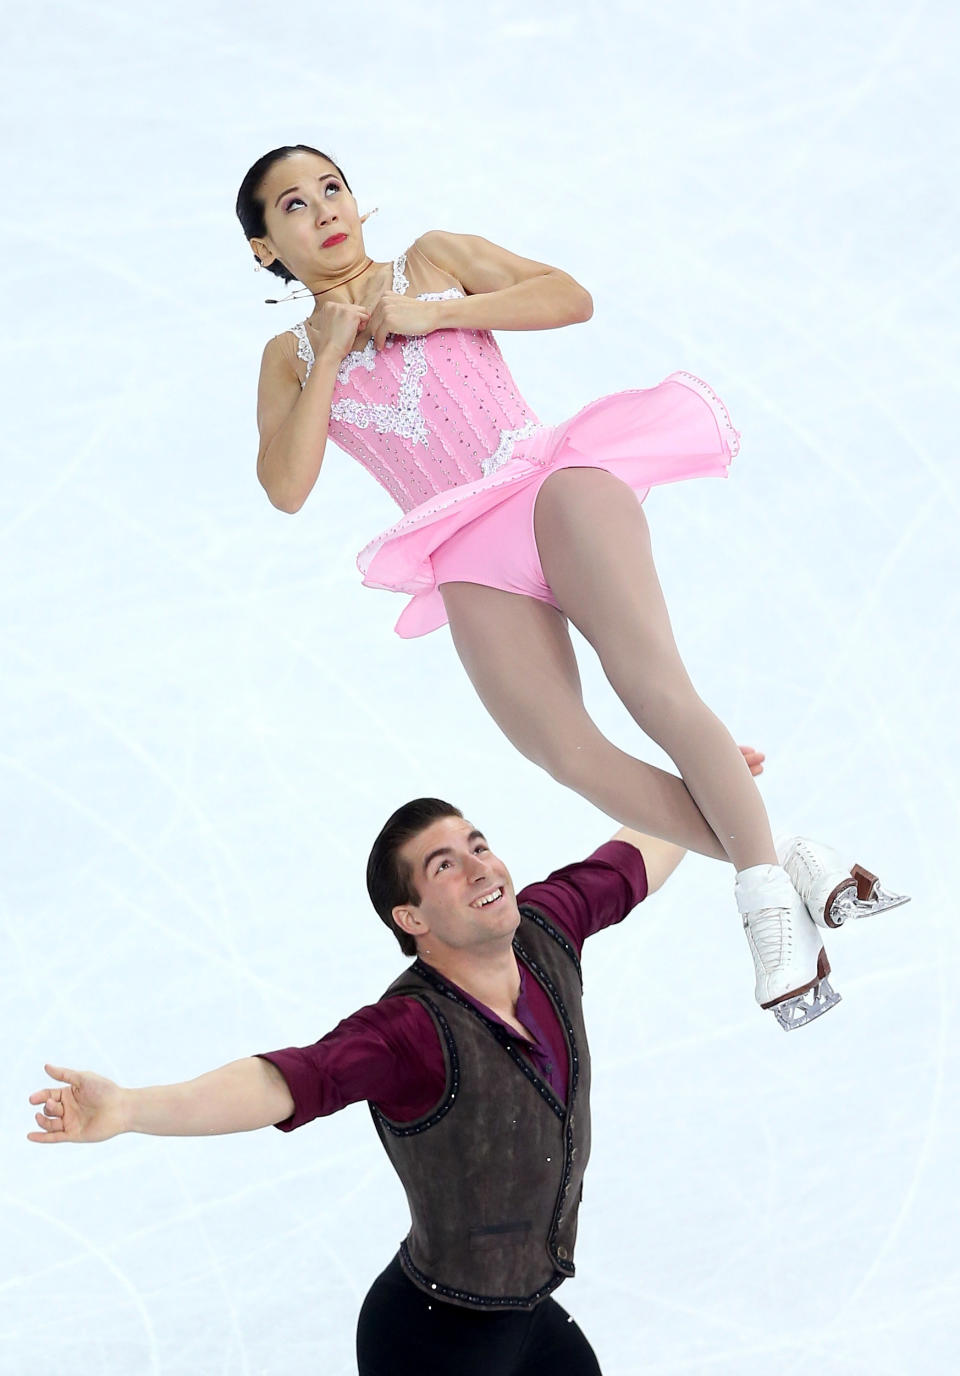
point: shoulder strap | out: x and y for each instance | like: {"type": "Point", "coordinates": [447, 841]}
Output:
{"type": "Point", "coordinates": [400, 283]}
{"type": "Point", "coordinates": [304, 347]}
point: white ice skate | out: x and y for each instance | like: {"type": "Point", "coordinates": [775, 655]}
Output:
{"type": "Point", "coordinates": [788, 954]}
{"type": "Point", "coordinates": [833, 890]}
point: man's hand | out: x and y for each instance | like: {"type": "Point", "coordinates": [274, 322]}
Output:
{"type": "Point", "coordinates": [754, 759]}
{"type": "Point", "coordinates": [84, 1108]}
{"type": "Point", "coordinates": [661, 858]}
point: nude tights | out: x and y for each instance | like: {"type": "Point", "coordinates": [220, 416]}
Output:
{"type": "Point", "coordinates": [594, 547]}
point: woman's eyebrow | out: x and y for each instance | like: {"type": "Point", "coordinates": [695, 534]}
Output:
{"type": "Point", "coordinates": [324, 176]}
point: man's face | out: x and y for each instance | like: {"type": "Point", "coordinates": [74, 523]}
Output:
{"type": "Point", "coordinates": [467, 899]}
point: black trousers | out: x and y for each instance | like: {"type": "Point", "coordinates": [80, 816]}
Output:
{"type": "Point", "coordinates": [404, 1332]}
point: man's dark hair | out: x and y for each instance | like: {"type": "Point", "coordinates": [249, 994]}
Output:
{"type": "Point", "coordinates": [250, 207]}
{"type": "Point", "coordinates": [389, 876]}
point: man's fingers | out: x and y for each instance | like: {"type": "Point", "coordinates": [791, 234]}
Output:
{"type": "Point", "coordinates": [49, 1124]}
{"type": "Point", "coordinates": [40, 1095]}
{"type": "Point", "coordinates": [58, 1072]}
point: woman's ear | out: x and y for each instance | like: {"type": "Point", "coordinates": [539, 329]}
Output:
{"type": "Point", "coordinates": [262, 252]}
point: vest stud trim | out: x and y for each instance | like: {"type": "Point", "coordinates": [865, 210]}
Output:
{"type": "Point", "coordinates": [502, 1036]}
{"type": "Point", "coordinates": [469, 1243]}
{"type": "Point", "coordinates": [477, 1301]}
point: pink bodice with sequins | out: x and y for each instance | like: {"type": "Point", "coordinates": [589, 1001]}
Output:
{"type": "Point", "coordinates": [426, 413]}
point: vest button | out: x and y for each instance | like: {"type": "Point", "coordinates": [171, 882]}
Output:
{"type": "Point", "coordinates": [562, 1253]}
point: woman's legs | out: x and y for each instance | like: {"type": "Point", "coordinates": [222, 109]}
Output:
{"type": "Point", "coordinates": [595, 552]}
{"type": "Point", "coordinates": [518, 654]}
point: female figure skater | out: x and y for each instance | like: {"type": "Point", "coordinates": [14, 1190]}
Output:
{"type": "Point", "coordinates": [512, 528]}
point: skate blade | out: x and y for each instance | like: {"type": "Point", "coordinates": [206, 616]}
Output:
{"type": "Point", "coordinates": [867, 898]}
{"type": "Point", "coordinates": [803, 1008]}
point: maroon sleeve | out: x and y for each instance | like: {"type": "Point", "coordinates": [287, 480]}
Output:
{"type": "Point", "coordinates": [388, 1053]}
{"type": "Point", "coordinates": [585, 897]}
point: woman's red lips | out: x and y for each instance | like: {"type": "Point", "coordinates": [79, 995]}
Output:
{"type": "Point", "coordinates": [334, 239]}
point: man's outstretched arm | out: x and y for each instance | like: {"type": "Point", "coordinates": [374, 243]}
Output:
{"type": "Point", "coordinates": [84, 1107]}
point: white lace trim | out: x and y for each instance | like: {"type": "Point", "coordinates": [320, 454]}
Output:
{"type": "Point", "coordinates": [504, 450]}
{"type": "Point", "coordinates": [358, 358]}
{"type": "Point", "coordinates": [304, 347]}
{"type": "Point", "coordinates": [400, 282]}
{"type": "Point", "coordinates": [405, 418]}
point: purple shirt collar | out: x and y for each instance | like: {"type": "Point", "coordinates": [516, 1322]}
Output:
{"type": "Point", "coordinates": [537, 1046]}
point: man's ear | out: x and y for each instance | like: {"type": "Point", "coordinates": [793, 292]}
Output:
{"type": "Point", "coordinates": [409, 920]}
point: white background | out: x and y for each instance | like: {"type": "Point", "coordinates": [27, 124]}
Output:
{"type": "Point", "coordinates": [207, 719]}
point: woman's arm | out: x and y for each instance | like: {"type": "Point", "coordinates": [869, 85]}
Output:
{"type": "Point", "coordinates": [505, 292]}
{"type": "Point", "coordinates": [246, 1094]}
{"type": "Point", "coordinates": [293, 421]}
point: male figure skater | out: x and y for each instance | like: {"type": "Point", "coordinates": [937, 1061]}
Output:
{"type": "Point", "coordinates": [476, 1068]}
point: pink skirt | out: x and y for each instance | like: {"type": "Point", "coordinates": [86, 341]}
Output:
{"type": "Point", "coordinates": [679, 429]}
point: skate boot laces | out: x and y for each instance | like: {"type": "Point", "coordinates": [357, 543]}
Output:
{"type": "Point", "coordinates": [771, 934]}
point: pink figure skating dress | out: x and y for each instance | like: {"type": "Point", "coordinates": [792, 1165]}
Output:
{"type": "Point", "coordinates": [439, 422]}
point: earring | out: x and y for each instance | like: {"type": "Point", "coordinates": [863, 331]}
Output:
{"type": "Point", "coordinates": [257, 264]}
{"type": "Point", "coordinates": [364, 218]}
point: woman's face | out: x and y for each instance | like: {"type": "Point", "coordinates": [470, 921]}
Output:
{"type": "Point", "coordinates": [312, 222]}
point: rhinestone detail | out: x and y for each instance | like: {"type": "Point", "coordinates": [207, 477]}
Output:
{"type": "Point", "coordinates": [405, 418]}
{"type": "Point", "coordinates": [720, 411]}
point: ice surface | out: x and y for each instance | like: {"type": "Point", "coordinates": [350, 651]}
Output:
{"type": "Point", "coordinates": [207, 719]}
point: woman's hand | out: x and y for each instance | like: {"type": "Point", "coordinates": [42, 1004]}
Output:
{"type": "Point", "coordinates": [87, 1108]}
{"type": "Point", "coordinates": [334, 329]}
{"type": "Point", "coordinates": [396, 314]}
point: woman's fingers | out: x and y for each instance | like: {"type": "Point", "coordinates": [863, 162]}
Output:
{"type": "Point", "coordinates": [338, 324]}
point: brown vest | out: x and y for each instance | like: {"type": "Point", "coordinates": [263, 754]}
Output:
{"type": "Point", "coordinates": [493, 1174]}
